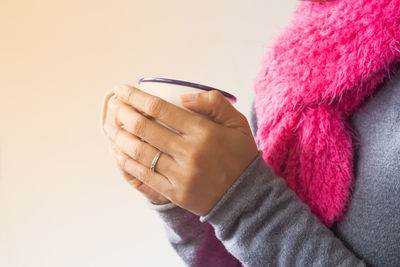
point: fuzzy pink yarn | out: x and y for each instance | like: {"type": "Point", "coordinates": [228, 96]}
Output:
{"type": "Point", "coordinates": [325, 64]}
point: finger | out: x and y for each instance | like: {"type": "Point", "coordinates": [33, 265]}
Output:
{"type": "Point", "coordinates": [149, 130]}
{"type": "Point", "coordinates": [133, 181]}
{"type": "Point", "coordinates": [215, 106]}
{"type": "Point", "coordinates": [147, 191]}
{"type": "Point", "coordinates": [154, 180]}
{"type": "Point", "coordinates": [140, 151]}
{"type": "Point", "coordinates": [168, 113]}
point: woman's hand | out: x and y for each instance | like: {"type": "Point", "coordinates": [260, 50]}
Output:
{"type": "Point", "coordinates": [198, 164]}
{"type": "Point", "coordinates": [147, 191]}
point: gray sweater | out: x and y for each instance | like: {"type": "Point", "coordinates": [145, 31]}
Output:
{"type": "Point", "coordinates": [261, 222]}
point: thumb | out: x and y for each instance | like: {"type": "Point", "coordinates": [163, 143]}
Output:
{"type": "Point", "coordinates": [213, 105]}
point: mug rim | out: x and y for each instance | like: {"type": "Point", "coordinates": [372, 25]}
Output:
{"type": "Point", "coordinates": [188, 84]}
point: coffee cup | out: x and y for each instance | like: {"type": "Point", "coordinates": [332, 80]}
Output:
{"type": "Point", "coordinates": [167, 89]}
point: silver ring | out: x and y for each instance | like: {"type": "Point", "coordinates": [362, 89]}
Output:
{"type": "Point", "coordinates": [154, 162]}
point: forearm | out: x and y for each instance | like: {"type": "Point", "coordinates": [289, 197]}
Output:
{"type": "Point", "coordinates": [263, 223]}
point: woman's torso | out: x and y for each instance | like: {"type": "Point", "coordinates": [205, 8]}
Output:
{"type": "Point", "coordinates": [371, 225]}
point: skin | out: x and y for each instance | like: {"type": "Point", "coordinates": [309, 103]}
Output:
{"type": "Point", "coordinates": [199, 164]}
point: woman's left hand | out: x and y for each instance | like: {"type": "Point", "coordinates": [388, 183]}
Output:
{"type": "Point", "coordinates": [198, 164]}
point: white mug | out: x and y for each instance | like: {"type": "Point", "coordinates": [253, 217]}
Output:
{"type": "Point", "coordinates": [167, 89]}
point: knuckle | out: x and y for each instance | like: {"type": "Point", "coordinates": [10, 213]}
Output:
{"type": "Point", "coordinates": [194, 157]}
{"type": "Point", "coordinates": [136, 150]}
{"type": "Point", "coordinates": [207, 135]}
{"type": "Point", "coordinates": [116, 133]}
{"type": "Point", "coordinates": [155, 106]}
{"type": "Point", "coordinates": [200, 123]}
{"type": "Point", "coordinates": [135, 183]}
{"type": "Point", "coordinates": [202, 126]}
{"type": "Point", "coordinates": [123, 162]}
{"type": "Point", "coordinates": [215, 97]}
{"type": "Point", "coordinates": [115, 106]}
{"type": "Point", "coordinates": [181, 150]}
{"type": "Point", "coordinates": [138, 125]}
{"type": "Point", "coordinates": [242, 117]}
{"type": "Point", "coordinates": [129, 93]}
{"type": "Point", "coordinates": [144, 175]}
{"type": "Point", "coordinates": [127, 90]}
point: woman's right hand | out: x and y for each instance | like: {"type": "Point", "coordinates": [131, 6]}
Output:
{"type": "Point", "coordinates": [152, 195]}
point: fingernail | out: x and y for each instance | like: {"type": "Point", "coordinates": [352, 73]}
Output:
{"type": "Point", "coordinates": [189, 97]}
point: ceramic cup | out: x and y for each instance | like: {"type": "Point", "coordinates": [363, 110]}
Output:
{"type": "Point", "coordinates": [167, 89]}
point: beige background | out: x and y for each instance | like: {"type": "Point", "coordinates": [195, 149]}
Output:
{"type": "Point", "coordinates": [62, 200]}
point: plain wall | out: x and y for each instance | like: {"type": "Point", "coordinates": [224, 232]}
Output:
{"type": "Point", "coordinates": [62, 199]}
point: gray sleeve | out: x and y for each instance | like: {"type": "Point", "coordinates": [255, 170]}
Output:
{"type": "Point", "coordinates": [259, 221]}
{"type": "Point", "coordinates": [263, 223]}
{"type": "Point", "coordinates": [194, 241]}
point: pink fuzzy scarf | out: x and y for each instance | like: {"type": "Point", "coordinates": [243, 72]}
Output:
{"type": "Point", "coordinates": [325, 64]}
